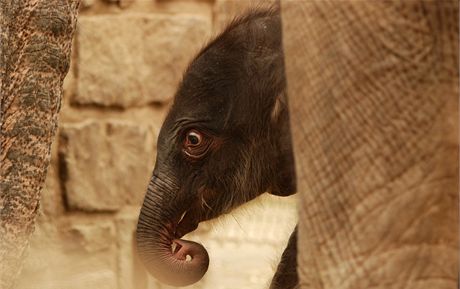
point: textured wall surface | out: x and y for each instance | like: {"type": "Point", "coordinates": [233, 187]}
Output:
{"type": "Point", "coordinates": [128, 57]}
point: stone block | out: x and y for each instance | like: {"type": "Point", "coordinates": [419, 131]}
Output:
{"type": "Point", "coordinates": [52, 203]}
{"type": "Point", "coordinates": [69, 84]}
{"type": "Point", "coordinates": [85, 4]}
{"type": "Point", "coordinates": [135, 59]}
{"type": "Point", "coordinates": [106, 164]}
{"type": "Point", "coordinates": [73, 253]}
{"type": "Point", "coordinates": [125, 3]}
{"type": "Point", "coordinates": [91, 237]}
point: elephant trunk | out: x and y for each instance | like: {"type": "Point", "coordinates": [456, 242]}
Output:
{"type": "Point", "coordinates": [169, 259]}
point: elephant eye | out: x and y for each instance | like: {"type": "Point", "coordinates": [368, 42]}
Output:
{"type": "Point", "coordinates": [193, 138]}
{"type": "Point", "coordinates": [196, 144]}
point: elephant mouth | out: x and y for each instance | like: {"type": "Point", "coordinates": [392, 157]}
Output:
{"type": "Point", "coordinates": [185, 224]}
{"type": "Point", "coordinates": [199, 211]}
{"type": "Point", "coordinates": [180, 248]}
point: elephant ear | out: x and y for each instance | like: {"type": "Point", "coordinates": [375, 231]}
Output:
{"type": "Point", "coordinates": [285, 178]}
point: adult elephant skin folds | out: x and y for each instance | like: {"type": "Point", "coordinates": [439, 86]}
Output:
{"type": "Point", "coordinates": [373, 95]}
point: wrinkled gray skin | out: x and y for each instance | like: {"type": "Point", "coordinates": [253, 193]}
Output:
{"type": "Point", "coordinates": [225, 141]}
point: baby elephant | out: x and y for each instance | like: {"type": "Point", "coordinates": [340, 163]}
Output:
{"type": "Point", "coordinates": [225, 141]}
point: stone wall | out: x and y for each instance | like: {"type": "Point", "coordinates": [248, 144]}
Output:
{"type": "Point", "coordinates": [128, 57]}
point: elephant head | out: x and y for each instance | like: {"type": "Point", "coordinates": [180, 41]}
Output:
{"type": "Point", "coordinates": [225, 141]}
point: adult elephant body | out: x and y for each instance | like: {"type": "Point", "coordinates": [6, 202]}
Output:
{"type": "Point", "coordinates": [373, 94]}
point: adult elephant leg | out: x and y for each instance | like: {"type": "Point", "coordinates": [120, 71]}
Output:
{"type": "Point", "coordinates": [373, 90]}
{"type": "Point", "coordinates": [286, 274]}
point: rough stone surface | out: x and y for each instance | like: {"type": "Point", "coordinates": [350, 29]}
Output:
{"type": "Point", "coordinates": [125, 3]}
{"type": "Point", "coordinates": [129, 60]}
{"type": "Point", "coordinates": [74, 252]}
{"type": "Point", "coordinates": [52, 203]}
{"type": "Point", "coordinates": [106, 164]}
{"type": "Point", "coordinates": [86, 4]}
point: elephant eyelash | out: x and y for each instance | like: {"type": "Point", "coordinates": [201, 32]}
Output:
{"type": "Point", "coordinates": [196, 153]}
